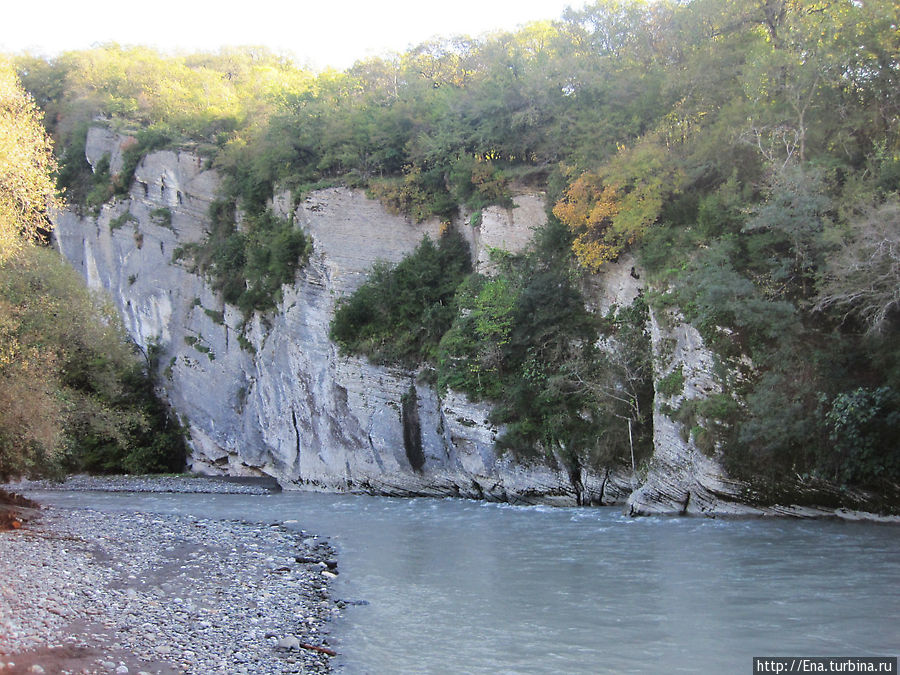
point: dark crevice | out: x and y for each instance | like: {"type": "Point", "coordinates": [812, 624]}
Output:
{"type": "Point", "coordinates": [577, 484]}
{"type": "Point", "coordinates": [479, 491]}
{"type": "Point", "coordinates": [412, 429]}
{"type": "Point", "coordinates": [603, 487]}
{"type": "Point", "coordinates": [296, 434]}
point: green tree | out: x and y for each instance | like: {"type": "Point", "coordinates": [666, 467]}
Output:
{"type": "Point", "coordinates": [27, 192]}
{"type": "Point", "coordinates": [789, 226]}
{"type": "Point", "coordinates": [864, 425]}
{"type": "Point", "coordinates": [73, 394]}
{"type": "Point", "coordinates": [399, 315]}
{"type": "Point", "coordinates": [471, 354]}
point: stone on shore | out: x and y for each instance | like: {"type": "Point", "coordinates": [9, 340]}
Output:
{"type": "Point", "coordinates": [93, 592]}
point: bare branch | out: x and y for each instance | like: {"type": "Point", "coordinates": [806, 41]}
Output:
{"type": "Point", "coordinates": [863, 280]}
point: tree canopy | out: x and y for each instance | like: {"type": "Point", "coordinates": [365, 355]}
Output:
{"type": "Point", "coordinates": [28, 192]}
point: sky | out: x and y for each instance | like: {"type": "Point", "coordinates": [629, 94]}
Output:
{"type": "Point", "coordinates": [319, 33]}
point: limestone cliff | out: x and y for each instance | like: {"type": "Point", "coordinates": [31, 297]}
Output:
{"type": "Point", "coordinates": [686, 475]}
{"type": "Point", "coordinates": [681, 477]}
{"type": "Point", "coordinates": [273, 396]}
{"type": "Point", "coordinates": [281, 400]}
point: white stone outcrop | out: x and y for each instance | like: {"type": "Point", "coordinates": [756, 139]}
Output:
{"type": "Point", "coordinates": [507, 229]}
{"type": "Point", "coordinates": [274, 396]}
{"type": "Point", "coordinates": [682, 478]}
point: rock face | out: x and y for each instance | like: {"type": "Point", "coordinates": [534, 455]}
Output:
{"type": "Point", "coordinates": [682, 478]}
{"type": "Point", "coordinates": [506, 229]}
{"type": "Point", "coordinates": [272, 396]}
{"type": "Point", "coordinates": [276, 398]}
{"type": "Point", "coordinates": [685, 475]}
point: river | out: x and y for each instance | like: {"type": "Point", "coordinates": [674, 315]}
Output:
{"type": "Point", "coordinates": [457, 586]}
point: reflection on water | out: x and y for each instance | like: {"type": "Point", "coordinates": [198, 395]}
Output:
{"type": "Point", "coordinates": [468, 587]}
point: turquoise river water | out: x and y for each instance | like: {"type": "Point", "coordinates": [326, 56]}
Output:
{"type": "Point", "coordinates": [458, 586]}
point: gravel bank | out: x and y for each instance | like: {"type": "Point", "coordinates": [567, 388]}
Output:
{"type": "Point", "coordinates": [193, 484]}
{"type": "Point", "coordinates": [87, 592]}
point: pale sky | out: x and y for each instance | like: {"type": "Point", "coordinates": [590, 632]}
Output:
{"type": "Point", "coordinates": [319, 33]}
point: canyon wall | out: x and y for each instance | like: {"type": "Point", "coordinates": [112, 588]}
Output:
{"type": "Point", "coordinates": [273, 396]}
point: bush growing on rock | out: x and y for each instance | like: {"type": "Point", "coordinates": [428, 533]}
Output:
{"type": "Point", "coordinates": [401, 312]}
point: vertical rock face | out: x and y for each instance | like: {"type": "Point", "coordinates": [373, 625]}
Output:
{"type": "Point", "coordinates": [682, 478]}
{"type": "Point", "coordinates": [274, 396]}
{"type": "Point", "coordinates": [617, 283]}
{"type": "Point", "coordinates": [506, 229]}
{"type": "Point", "coordinates": [686, 476]}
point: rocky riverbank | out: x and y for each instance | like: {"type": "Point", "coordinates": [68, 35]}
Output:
{"type": "Point", "coordinates": [87, 592]}
{"type": "Point", "coordinates": [153, 483]}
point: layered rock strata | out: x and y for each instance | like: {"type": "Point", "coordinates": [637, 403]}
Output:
{"type": "Point", "coordinates": [272, 395]}
{"type": "Point", "coordinates": [681, 477]}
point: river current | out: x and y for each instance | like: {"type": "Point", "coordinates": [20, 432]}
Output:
{"type": "Point", "coordinates": [456, 586]}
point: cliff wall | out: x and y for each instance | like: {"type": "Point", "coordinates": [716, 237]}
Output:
{"type": "Point", "coordinates": [272, 395]}
{"type": "Point", "coordinates": [681, 477]}
{"type": "Point", "coordinates": [280, 400]}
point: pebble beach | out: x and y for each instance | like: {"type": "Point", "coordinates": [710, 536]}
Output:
{"type": "Point", "coordinates": [88, 592]}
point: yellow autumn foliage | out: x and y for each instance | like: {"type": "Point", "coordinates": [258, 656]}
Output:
{"type": "Point", "coordinates": [589, 209]}
{"type": "Point", "coordinates": [27, 191]}
{"type": "Point", "coordinates": [611, 209]}
{"type": "Point", "coordinates": [593, 254]}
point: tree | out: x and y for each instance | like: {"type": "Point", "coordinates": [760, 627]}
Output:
{"type": "Point", "coordinates": [27, 191]}
{"type": "Point", "coordinates": [612, 209]}
{"type": "Point", "coordinates": [73, 392]}
{"type": "Point", "coordinates": [863, 279]}
{"type": "Point", "coordinates": [793, 216]}
{"type": "Point", "coordinates": [615, 376]}
{"type": "Point", "coordinates": [399, 315]}
{"type": "Point", "coordinates": [863, 426]}
{"type": "Point", "coordinates": [588, 210]}
{"type": "Point", "coordinates": [471, 355]}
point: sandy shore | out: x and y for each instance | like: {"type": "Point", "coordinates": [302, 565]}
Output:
{"type": "Point", "coordinates": [88, 592]}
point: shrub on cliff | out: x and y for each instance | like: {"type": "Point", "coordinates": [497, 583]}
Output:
{"type": "Point", "coordinates": [399, 315]}
{"type": "Point", "coordinates": [524, 340]}
{"type": "Point", "coordinates": [249, 265]}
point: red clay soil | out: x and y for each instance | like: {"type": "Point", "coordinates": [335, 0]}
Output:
{"type": "Point", "coordinates": [72, 659]}
{"type": "Point", "coordinates": [14, 510]}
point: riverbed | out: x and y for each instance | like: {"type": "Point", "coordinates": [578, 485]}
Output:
{"type": "Point", "coordinates": [443, 585]}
